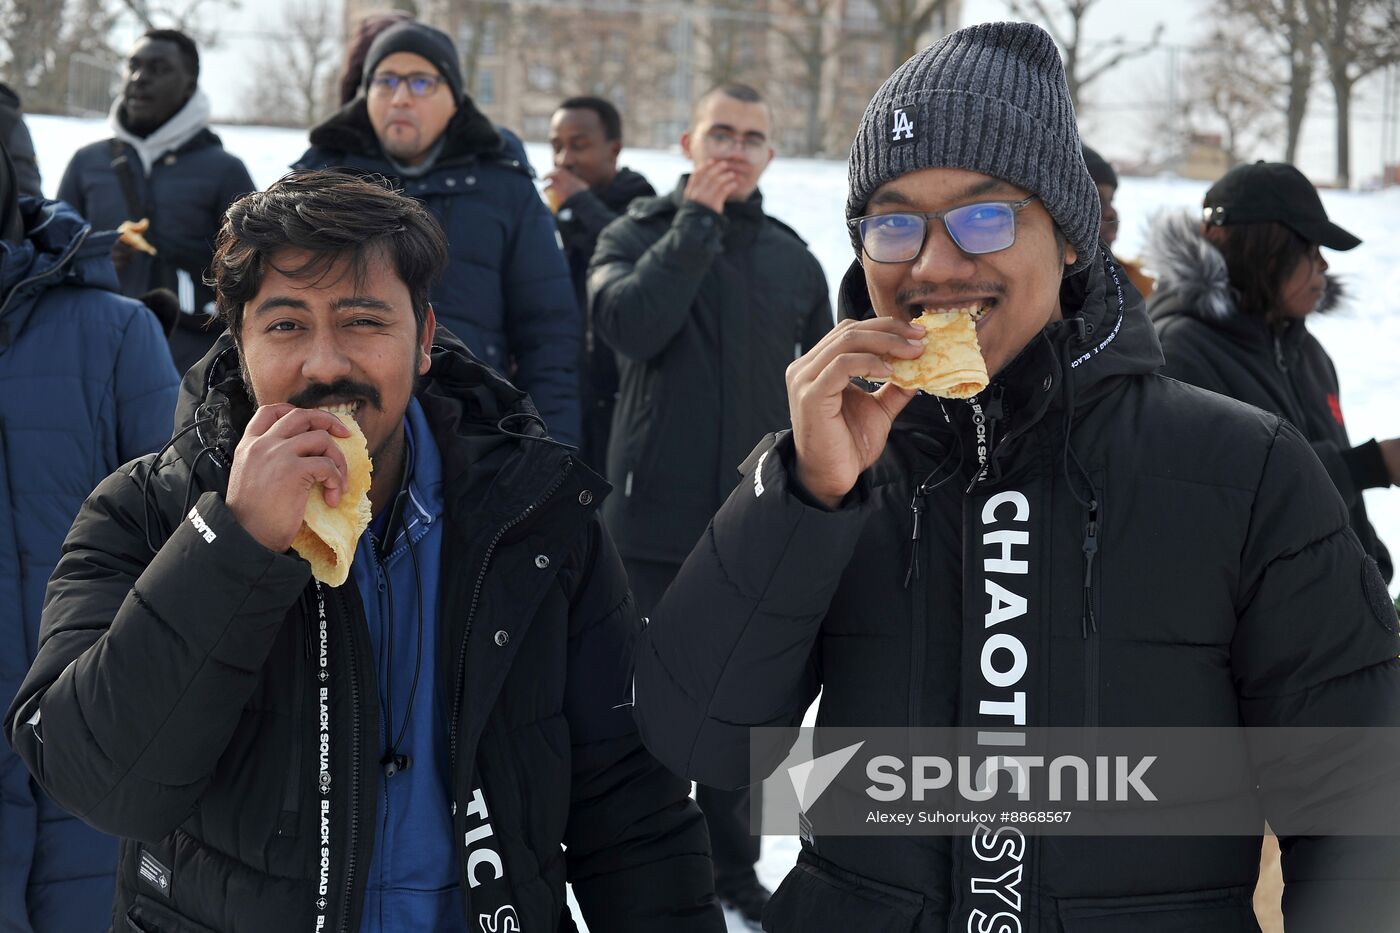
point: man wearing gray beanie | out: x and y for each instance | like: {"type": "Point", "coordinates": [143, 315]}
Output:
{"type": "Point", "coordinates": [1083, 543]}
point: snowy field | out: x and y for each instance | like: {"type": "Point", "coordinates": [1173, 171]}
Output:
{"type": "Point", "coordinates": [1363, 339]}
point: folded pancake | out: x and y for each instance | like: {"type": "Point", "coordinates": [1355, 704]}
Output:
{"type": "Point", "coordinates": [328, 535]}
{"type": "Point", "coordinates": [951, 365]}
{"type": "Point", "coordinates": [130, 232]}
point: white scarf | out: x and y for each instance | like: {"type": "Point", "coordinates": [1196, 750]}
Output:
{"type": "Point", "coordinates": [187, 123]}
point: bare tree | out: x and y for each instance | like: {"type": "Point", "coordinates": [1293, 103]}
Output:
{"type": "Point", "coordinates": [1357, 38]}
{"type": "Point", "coordinates": [802, 24]}
{"type": "Point", "coordinates": [905, 22]}
{"type": "Point", "coordinates": [486, 22]}
{"type": "Point", "coordinates": [733, 34]}
{"type": "Point", "coordinates": [1231, 88]}
{"type": "Point", "coordinates": [43, 38]}
{"type": "Point", "coordinates": [294, 83]}
{"type": "Point", "coordinates": [1064, 20]}
{"type": "Point", "coordinates": [1285, 25]}
{"type": "Point", "coordinates": [183, 15]}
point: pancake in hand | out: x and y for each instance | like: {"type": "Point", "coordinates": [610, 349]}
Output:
{"type": "Point", "coordinates": [328, 535]}
{"type": "Point", "coordinates": [130, 232]}
{"type": "Point", "coordinates": [951, 365]}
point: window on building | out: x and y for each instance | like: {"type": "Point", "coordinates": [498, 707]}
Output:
{"type": "Point", "coordinates": [489, 36]}
{"type": "Point", "coordinates": [543, 77]}
{"type": "Point", "coordinates": [486, 86]}
{"type": "Point", "coordinates": [536, 127]}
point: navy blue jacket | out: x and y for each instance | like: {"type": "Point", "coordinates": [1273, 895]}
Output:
{"type": "Point", "coordinates": [506, 291]}
{"type": "Point", "coordinates": [185, 198]}
{"type": "Point", "coordinates": [86, 384]}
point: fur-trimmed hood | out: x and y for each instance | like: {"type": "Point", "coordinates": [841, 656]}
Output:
{"type": "Point", "coordinates": [1191, 274]}
{"type": "Point", "coordinates": [469, 134]}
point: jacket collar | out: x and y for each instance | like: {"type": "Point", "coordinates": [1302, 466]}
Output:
{"type": "Point", "coordinates": [469, 134]}
{"type": "Point", "coordinates": [625, 188]}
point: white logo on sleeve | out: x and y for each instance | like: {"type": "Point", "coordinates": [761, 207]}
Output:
{"type": "Point", "coordinates": [201, 526]}
{"type": "Point", "coordinates": [758, 475]}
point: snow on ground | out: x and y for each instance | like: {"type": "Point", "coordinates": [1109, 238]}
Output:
{"type": "Point", "coordinates": [1363, 339]}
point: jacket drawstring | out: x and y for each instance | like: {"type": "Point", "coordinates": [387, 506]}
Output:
{"type": "Point", "coordinates": [154, 467]}
{"type": "Point", "coordinates": [520, 435]}
{"type": "Point", "coordinates": [1091, 504]}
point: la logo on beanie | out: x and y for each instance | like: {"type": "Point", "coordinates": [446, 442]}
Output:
{"type": "Point", "coordinates": [902, 126]}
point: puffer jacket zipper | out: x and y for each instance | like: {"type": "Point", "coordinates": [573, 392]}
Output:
{"type": "Point", "coordinates": [461, 681]}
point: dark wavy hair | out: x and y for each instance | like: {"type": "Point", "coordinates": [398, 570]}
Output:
{"type": "Point", "coordinates": [1259, 258]}
{"type": "Point", "coordinates": [331, 216]}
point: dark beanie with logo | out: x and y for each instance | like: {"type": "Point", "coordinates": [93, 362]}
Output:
{"type": "Point", "coordinates": [990, 98]}
{"type": "Point", "coordinates": [422, 40]}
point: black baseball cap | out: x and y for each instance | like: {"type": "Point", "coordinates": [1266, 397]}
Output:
{"type": "Point", "coordinates": [1274, 192]}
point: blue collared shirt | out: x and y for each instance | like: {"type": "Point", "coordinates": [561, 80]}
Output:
{"type": "Point", "coordinates": [412, 883]}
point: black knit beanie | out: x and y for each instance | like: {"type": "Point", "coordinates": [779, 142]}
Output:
{"type": "Point", "coordinates": [420, 39]}
{"type": "Point", "coordinates": [991, 98]}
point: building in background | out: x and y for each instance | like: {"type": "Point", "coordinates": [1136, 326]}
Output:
{"type": "Point", "coordinates": [819, 61]}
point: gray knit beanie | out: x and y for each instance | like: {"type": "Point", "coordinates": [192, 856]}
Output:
{"type": "Point", "coordinates": [991, 98]}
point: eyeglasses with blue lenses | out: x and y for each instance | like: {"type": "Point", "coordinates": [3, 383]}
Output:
{"type": "Point", "coordinates": [984, 227]}
{"type": "Point", "coordinates": [419, 85]}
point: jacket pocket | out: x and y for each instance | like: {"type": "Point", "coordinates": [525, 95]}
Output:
{"type": "Point", "coordinates": [818, 897]}
{"type": "Point", "coordinates": [1221, 910]}
{"type": "Point", "coordinates": [148, 915]}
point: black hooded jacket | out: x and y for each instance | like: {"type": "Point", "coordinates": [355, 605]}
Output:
{"type": "Point", "coordinates": [581, 219]}
{"type": "Point", "coordinates": [705, 312]}
{"type": "Point", "coordinates": [1225, 589]}
{"type": "Point", "coordinates": [201, 697]}
{"type": "Point", "coordinates": [1210, 343]}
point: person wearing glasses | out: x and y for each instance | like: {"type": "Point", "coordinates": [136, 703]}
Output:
{"type": "Point", "coordinates": [506, 291]}
{"type": "Point", "coordinates": [1085, 543]}
{"type": "Point", "coordinates": [164, 165]}
{"type": "Point", "coordinates": [706, 300]}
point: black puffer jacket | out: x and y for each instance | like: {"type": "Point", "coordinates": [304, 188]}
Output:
{"type": "Point", "coordinates": [1226, 590]}
{"type": "Point", "coordinates": [581, 219]}
{"type": "Point", "coordinates": [1210, 343]}
{"type": "Point", "coordinates": [193, 699]}
{"type": "Point", "coordinates": [705, 312]}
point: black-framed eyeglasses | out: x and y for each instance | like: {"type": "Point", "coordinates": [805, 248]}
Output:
{"type": "Point", "coordinates": [984, 227]}
{"type": "Point", "coordinates": [419, 84]}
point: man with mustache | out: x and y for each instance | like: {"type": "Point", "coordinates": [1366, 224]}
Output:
{"type": "Point", "coordinates": [410, 750]}
{"type": "Point", "coordinates": [1084, 544]}
{"type": "Point", "coordinates": [164, 165]}
{"type": "Point", "coordinates": [506, 290]}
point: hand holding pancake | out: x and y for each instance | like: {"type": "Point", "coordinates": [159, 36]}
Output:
{"type": "Point", "coordinates": [951, 365]}
{"type": "Point", "coordinates": [329, 532]}
{"type": "Point", "coordinates": [285, 453]}
{"type": "Point", "coordinates": [839, 429]}
{"type": "Point", "coordinates": [132, 233]}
